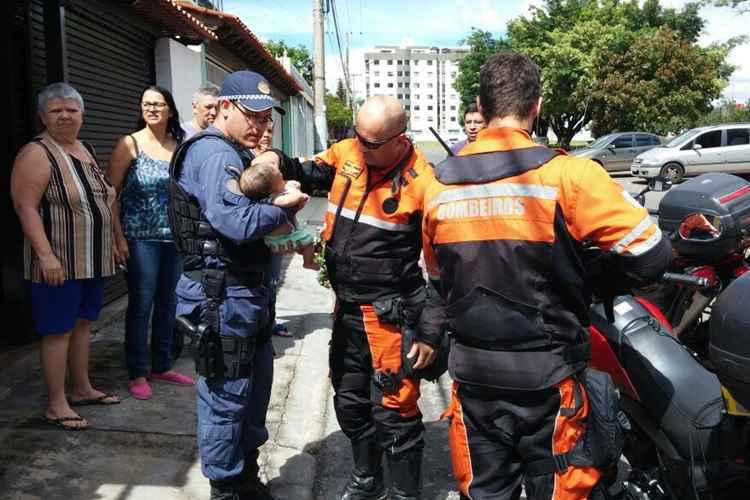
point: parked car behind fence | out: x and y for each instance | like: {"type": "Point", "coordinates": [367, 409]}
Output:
{"type": "Point", "coordinates": [616, 151]}
{"type": "Point", "coordinates": [714, 148]}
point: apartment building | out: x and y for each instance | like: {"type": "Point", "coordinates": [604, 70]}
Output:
{"type": "Point", "coordinates": [422, 78]}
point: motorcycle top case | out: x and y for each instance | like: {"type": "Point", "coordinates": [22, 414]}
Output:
{"type": "Point", "coordinates": [730, 339]}
{"type": "Point", "coordinates": [715, 195]}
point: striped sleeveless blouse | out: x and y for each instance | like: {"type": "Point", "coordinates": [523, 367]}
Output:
{"type": "Point", "coordinates": [77, 216]}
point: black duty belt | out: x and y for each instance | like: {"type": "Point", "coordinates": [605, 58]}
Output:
{"type": "Point", "coordinates": [232, 278]}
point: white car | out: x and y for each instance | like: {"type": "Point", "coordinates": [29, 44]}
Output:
{"type": "Point", "coordinates": [715, 148]}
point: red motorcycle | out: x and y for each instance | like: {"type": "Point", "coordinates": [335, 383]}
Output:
{"type": "Point", "coordinates": [680, 353]}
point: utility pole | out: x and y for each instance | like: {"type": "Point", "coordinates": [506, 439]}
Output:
{"type": "Point", "coordinates": [319, 76]}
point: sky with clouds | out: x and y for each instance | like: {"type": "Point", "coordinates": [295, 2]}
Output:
{"type": "Point", "coordinates": [441, 23]}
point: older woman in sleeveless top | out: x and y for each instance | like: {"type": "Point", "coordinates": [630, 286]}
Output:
{"type": "Point", "coordinates": [64, 203]}
{"type": "Point", "coordinates": [139, 170]}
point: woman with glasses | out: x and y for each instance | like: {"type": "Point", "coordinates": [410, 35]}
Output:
{"type": "Point", "coordinates": [139, 171]}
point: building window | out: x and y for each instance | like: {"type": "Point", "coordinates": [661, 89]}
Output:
{"type": "Point", "coordinates": [376, 62]}
{"type": "Point", "coordinates": [416, 85]}
{"type": "Point", "coordinates": [399, 73]}
{"type": "Point", "coordinates": [453, 118]}
{"type": "Point", "coordinates": [390, 73]}
{"type": "Point", "coordinates": [453, 108]}
{"type": "Point", "coordinates": [399, 62]}
{"type": "Point", "coordinates": [429, 96]}
{"type": "Point", "coordinates": [429, 108]}
{"type": "Point", "coordinates": [376, 73]}
{"type": "Point", "coordinates": [390, 62]}
{"type": "Point", "coordinates": [416, 107]}
{"type": "Point", "coordinates": [400, 85]}
{"type": "Point", "coordinates": [416, 96]}
{"type": "Point", "coordinates": [429, 63]}
{"type": "Point", "coordinates": [400, 96]}
{"type": "Point", "coordinates": [390, 85]}
{"type": "Point", "coordinates": [406, 73]}
{"type": "Point", "coordinates": [376, 85]}
{"type": "Point", "coordinates": [429, 119]}
{"type": "Point", "coordinates": [416, 73]}
{"type": "Point", "coordinates": [407, 106]}
{"type": "Point", "coordinates": [429, 85]}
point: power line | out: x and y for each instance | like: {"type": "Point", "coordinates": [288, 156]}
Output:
{"type": "Point", "coordinates": [344, 67]}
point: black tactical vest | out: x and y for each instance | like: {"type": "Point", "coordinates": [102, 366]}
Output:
{"type": "Point", "coordinates": [193, 234]}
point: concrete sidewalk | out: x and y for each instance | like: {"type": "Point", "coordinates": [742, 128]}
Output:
{"type": "Point", "coordinates": [147, 449]}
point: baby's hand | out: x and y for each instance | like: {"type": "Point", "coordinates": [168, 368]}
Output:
{"type": "Point", "coordinates": [293, 185]}
{"type": "Point", "coordinates": [291, 199]}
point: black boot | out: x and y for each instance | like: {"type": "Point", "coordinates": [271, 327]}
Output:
{"type": "Point", "coordinates": [250, 487]}
{"type": "Point", "coordinates": [366, 482]}
{"type": "Point", "coordinates": [405, 470]}
{"type": "Point", "coordinates": [224, 490]}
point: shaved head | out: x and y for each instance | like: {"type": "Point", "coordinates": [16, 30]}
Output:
{"type": "Point", "coordinates": [380, 116]}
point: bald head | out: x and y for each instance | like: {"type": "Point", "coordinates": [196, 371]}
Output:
{"type": "Point", "coordinates": [381, 116]}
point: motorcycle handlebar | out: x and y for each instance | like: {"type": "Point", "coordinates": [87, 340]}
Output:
{"type": "Point", "coordinates": [687, 280]}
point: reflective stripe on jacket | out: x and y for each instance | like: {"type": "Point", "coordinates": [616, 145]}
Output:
{"type": "Point", "coordinates": [373, 224]}
{"type": "Point", "coordinates": [504, 235]}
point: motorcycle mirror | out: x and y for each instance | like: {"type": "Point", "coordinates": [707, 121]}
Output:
{"type": "Point", "coordinates": [659, 184]}
{"type": "Point", "coordinates": [700, 227]}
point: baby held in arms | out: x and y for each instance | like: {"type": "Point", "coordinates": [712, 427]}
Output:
{"type": "Point", "coordinates": [263, 180]}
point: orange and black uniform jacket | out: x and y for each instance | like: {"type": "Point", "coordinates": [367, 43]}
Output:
{"type": "Point", "coordinates": [372, 223]}
{"type": "Point", "coordinates": [503, 232]}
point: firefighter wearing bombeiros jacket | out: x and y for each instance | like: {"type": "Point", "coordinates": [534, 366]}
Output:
{"type": "Point", "coordinates": [373, 242]}
{"type": "Point", "coordinates": [504, 228]}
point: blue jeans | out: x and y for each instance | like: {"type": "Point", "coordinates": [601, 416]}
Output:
{"type": "Point", "coordinates": [153, 270]}
{"type": "Point", "coordinates": [271, 281]}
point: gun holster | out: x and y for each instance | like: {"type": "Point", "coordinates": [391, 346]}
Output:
{"type": "Point", "coordinates": [405, 312]}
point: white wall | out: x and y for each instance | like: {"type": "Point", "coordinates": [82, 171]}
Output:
{"type": "Point", "coordinates": [179, 69]}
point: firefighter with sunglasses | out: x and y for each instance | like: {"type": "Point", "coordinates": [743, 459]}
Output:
{"type": "Point", "coordinates": [372, 233]}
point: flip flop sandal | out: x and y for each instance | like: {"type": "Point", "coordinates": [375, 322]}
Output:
{"type": "Point", "coordinates": [60, 422]}
{"type": "Point", "coordinates": [101, 400]}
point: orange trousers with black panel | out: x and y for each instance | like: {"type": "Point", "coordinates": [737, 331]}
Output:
{"type": "Point", "coordinates": [494, 432]}
{"type": "Point", "coordinates": [361, 344]}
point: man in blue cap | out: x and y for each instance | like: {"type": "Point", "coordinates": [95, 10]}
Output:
{"type": "Point", "coordinates": [221, 297]}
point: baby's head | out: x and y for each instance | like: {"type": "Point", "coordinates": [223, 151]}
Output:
{"type": "Point", "coordinates": [263, 177]}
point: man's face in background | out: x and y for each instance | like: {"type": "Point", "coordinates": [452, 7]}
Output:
{"type": "Point", "coordinates": [473, 123]}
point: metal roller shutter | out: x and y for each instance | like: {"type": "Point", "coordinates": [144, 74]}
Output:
{"type": "Point", "coordinates": [110, 62]}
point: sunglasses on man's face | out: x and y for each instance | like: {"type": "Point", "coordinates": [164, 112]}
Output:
{"type": "Point", "coordinates": [375, 144]}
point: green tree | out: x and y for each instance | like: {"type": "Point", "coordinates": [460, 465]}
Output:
{"type": "Point", "coordinates": [662, 83]}
{"type": "Point", "coordinates": [739, 5]}
{"type": "Point", "coordinates": [299, 55]}
{"type": "Point", "coordinates": [572, 40]}
{"type": "Point", "coordinates": [726, 112]}
{"type": "Point", "coordinates": [341, 91]}
{"type": "Point", "coordinates": [481, 46]}
{"type": "Point", "coordinates": [338, 117]}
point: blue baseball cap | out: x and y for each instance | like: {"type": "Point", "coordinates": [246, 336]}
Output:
{"type": "Point", "coordinates": [249, 89]}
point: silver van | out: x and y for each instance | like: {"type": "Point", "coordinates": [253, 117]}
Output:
{"type": "Point", "coordinates": [715, 148]}
{"type": "Point", "coordinates": [617, 151]}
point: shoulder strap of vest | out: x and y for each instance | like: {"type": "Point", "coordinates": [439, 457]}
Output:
{"type": "Point", "coordinates": [488, 167]}
{"type": "Point", "coordinates": [175, 166]}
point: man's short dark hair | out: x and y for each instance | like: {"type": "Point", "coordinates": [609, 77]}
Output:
{"type": "Point", "coordinates": [509, 85]}
{"type": "Point", "coordinates": [471, 108]}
